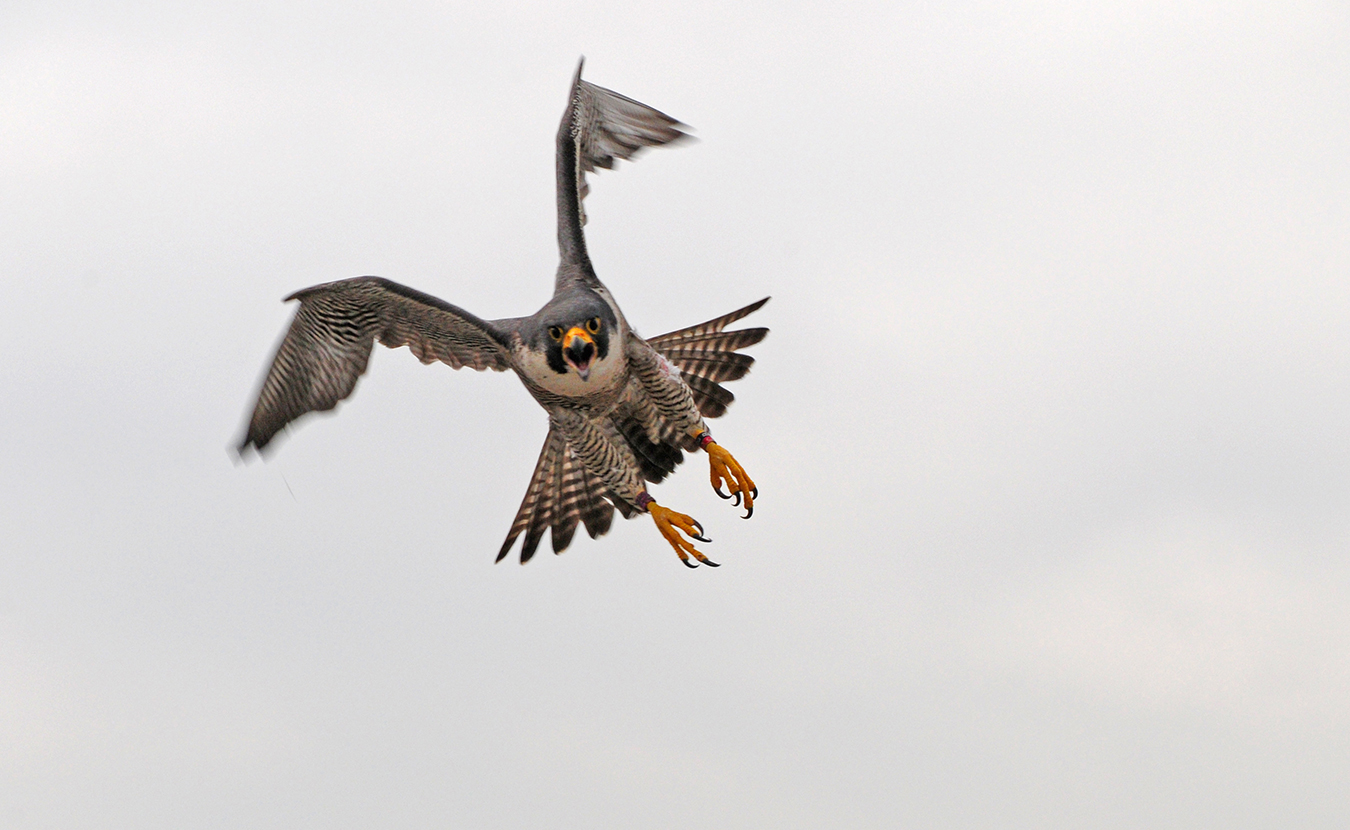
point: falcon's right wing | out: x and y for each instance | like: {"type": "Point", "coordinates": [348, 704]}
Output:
{"type": "Point", "coordinates": [329, 344]}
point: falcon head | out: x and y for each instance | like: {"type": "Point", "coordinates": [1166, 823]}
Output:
{"type": "Point", "coordinates": [576, 333]}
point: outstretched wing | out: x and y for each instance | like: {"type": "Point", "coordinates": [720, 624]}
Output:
{"type": "Point", "coordinates": [707, 356]}
{"type": "Point", "coordinates": [561, 495]}
{"type": "Point", "coordinates": [329, 344]}
{"type": "Point", "coordinates": [599, 127]}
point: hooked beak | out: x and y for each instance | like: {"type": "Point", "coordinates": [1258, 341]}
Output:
{"type": "Point", "coordinates": [579, 350]}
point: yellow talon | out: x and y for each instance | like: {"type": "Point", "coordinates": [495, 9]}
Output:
{"type": "Point", "coordinates": [671, 524]}
{"type": "Point", "coordinates": [723, 468]}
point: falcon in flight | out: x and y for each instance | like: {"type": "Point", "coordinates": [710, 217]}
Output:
{"type": "Point", "coordinates": [622, 410]}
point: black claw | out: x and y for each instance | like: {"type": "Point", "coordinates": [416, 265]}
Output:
{"type": "Point", "coordinates": [718, 490]}
{"type": "Point", "coordinates": [711, 564]}
{"type": "Point", "coordinates": [754, 492]}
{"type": "Point", "coordinates": [749, 511]}
{"type": "Point", "coordinates": [689, 564]}
{"type": "Point", "coordinates": [737, 502]}
{"type": "Point", "coordinates": [700, 538]}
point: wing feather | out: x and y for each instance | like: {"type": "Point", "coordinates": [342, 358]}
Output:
{"type": "Point", "coordinates": [598, 128]}
{"type": "Point", "coordinates": [605, 126]}
{"type": "Point", "coordinates": [327, 347]}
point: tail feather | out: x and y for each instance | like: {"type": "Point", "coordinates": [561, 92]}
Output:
{"type": "Point", "coordinates": [712, 400]}
{"type": "Point", "coordinates": [716, 368]}
{"type": "Point", "coordinates": [715, 342]}
{"type": "Point", "coordinates": [712, 326]}
{"type": "Point", "coordinates": [706, 356]}
{"type": "Point", "coordinates": [567, 513]}
{"type": "Point", "coordinates": [561, 494]}
{"type": "Point", "coordinates": [657, 460]}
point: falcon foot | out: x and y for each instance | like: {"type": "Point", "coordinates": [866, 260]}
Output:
{"type": "Point", "coordinates": [671, 524]}
{"type": "Point", "coordinates": [723, 468]}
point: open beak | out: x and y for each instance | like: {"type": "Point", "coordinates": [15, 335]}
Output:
{"type": "Point", "coordinates": [579, 350]}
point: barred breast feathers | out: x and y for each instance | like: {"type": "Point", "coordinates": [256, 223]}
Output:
{"type": "Point", "coordinates": [602, 451]}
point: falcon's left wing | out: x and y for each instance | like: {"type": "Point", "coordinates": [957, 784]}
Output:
{"type": "Point", "coordinates": [599, 127]}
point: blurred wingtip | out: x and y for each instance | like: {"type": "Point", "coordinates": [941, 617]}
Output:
{"type": "Point", "coordinates": [240, 449]}
{"type": "Point", "coordinates": [684, 137]}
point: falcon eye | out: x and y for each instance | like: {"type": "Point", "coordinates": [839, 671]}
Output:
{"type": "Point", "coordinates": [593, 325]}
{"type": "Point", "coordinates": [555, 332]}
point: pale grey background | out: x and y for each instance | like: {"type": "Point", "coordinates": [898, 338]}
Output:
{"type": "Point", "coordinates": [1050, 431]}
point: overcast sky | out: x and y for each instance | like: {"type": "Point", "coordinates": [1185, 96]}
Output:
{"type": "Point", "coordinates": [1050, 433]}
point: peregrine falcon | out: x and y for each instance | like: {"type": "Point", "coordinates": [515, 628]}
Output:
{"type": "Point", "coordinates": [622, 410]}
